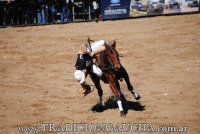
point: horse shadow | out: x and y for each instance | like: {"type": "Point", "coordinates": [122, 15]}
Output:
{"type": "Point", "coordinates": [111, 103]}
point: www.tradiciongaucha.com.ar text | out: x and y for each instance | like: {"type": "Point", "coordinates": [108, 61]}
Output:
{"type": "Point", "coordinates": [101, 127]}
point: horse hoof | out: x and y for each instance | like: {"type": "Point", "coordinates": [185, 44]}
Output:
{"type": "Point", "coordinates": [138, 97]}
{"type": "Point", "coordinates": [122, 114]}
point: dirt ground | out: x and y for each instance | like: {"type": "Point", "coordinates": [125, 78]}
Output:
{"type": "Point", "coordinates": [161, 55]}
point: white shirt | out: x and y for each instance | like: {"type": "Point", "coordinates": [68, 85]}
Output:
{"type": "Point", "coordinates": [97, 46]}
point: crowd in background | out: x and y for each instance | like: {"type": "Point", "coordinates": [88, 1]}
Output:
{"type": "Point", "coordinates": [31, 12]}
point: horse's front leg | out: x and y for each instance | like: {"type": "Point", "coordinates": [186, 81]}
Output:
{"type": "Point", "coordinates": [119, 102]}
{"type": "Point", "coordinates": [129, 86]}
{"type": "Point", "coordinates": [120, 92]}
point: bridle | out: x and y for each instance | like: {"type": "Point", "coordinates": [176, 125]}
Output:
{"type": "Point", "coordinates": [110, 66]}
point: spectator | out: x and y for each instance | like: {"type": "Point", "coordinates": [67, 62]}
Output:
{"type": "Point", "coordinates": [21, 12]}
{"type": "Point", "coordinates": [14, 13]}
{"type": "Point", "coordinates": [2, 13]}
{"type": "Point", "coordinates": [95, 8]}
{"type": "Point", "coordinates": [199, 6]}
{"type": "Point", "coordinates": [44, 13]}
{"type": "Point", "coordinates": [53, 13]}
{"type": "Point", "coordinates": [68, 10]}
{"type": "Point", "coordinates": [7, 13]}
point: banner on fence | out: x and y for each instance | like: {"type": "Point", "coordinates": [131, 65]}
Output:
{"type": "Point", "coordinates": [111, 9]}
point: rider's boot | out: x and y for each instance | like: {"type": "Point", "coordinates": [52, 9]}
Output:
{"type": "Point", "coordinates": [86, 88]}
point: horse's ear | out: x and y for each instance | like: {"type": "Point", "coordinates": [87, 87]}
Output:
{"type": "Point", "coordinates": [113, 44]}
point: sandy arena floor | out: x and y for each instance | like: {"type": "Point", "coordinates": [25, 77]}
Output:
{"type": "Point", "coordinates": [161, 55]}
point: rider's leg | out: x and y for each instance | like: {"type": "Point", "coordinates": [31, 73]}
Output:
{"type": "Point", "coordinates": [96, 81]}
{"type": "Point", "coordinates": [97, 70]}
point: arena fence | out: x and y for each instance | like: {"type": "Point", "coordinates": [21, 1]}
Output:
{"type": "Point", "coordinates": [42, 12]}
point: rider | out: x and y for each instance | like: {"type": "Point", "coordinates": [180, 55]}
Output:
{"type": "Point", "coordinates": [84, 64]}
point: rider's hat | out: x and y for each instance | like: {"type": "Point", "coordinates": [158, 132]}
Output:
{"type": "Point", "coordinates": [79, 75]}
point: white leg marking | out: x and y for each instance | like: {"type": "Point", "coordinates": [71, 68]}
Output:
{"type": "Point", "coordinates": [135, 94]}
{"type": "Point", "coordinates": [120, 105]}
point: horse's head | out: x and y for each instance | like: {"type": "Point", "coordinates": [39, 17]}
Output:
{"type": "Point", "coordinates": [112, 56]}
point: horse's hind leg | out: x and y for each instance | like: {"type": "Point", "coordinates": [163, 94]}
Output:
{"type": "Point", "coordinates": [129, 86]}
{"type": "Point", "coordinates": [96, 81]}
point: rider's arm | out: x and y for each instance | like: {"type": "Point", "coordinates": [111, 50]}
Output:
{"type": "Point", "coordinates": [86, 52]}
{"type": "Point", "coordinates": [98, 51]}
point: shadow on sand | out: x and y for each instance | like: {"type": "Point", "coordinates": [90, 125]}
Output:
{"type": "Point", "coordinates": [111, 103]}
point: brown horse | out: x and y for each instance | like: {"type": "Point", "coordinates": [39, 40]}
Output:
{"type": "Point", "coordinates": [113, 71]}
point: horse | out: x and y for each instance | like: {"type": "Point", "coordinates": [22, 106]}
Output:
{"type": "Point", "coordinates": [113, 71]}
